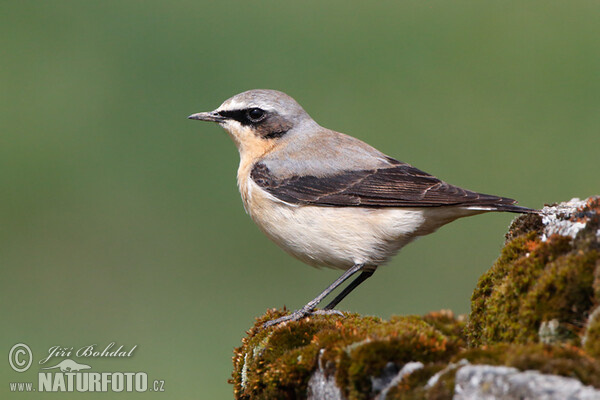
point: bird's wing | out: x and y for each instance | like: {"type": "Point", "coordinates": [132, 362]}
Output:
{"type": "Point", "coordinates": [399, 185]}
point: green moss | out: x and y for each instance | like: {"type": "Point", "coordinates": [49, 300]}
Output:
{"type": "Point", "coordinates": [587, 238]}
{"type": "Point", "coordinates": [445, 322]}
{"type": "Point", "coordinates": [523, 225]}
{"type": "Point", "coordinates": [497, 299]}
{"type": "Point", "coordinates": [591, 343]}
{"type": "Point", "coordinates": [278, 362]}
{"type": "Point", "coordinates": [563, 292]}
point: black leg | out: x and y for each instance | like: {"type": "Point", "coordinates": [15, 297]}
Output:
{"type": "Point", "coordinates": [310, 306]}
{"type": "Point", "coordinates": [359, 279]}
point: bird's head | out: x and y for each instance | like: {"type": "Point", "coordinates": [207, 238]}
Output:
{"type": "Point", "coordinates": [258, 117]}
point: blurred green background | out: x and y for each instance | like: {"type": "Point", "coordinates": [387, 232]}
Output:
{"type": "Point", "coordinates": [121, 219]}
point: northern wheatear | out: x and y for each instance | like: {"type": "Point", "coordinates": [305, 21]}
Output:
{"type": "Point", "coordinates": [329, 199]}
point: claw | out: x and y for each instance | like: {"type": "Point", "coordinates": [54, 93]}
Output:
{"type": "Point", "coordinates": [295, 316]}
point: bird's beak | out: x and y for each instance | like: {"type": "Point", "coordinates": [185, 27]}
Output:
{"type": "Point", "coordinates": [211, 116]}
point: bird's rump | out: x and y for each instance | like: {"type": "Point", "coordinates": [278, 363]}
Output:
{"type": "Point", "coordinates": [400, 185]}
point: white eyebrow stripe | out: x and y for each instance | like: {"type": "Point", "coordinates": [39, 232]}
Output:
{"type": "Point", "coordinates": [233, 105]}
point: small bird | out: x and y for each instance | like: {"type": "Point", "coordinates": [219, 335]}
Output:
{"type": "Point", "coordinates": [330, 199]}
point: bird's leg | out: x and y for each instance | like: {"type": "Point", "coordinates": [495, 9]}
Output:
{"type": "Point", "coordinates": [359, 279]}
{"type": "Point", "coordinates": [310, 306]}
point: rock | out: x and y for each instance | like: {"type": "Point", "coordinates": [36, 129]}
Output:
{"type": "Point", "coordinates": [569, 218]}
{"type": "Point", "coordinates": [321, 386]}
{"type": "Point", "coordinates": [484, 382]}
{"type": "Point", "coordinates": [406, 370]}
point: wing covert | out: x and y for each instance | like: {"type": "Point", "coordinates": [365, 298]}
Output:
{"type": "Point", "coordinates": [399, 185]}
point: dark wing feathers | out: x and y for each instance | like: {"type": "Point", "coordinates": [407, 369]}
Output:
{"type": "Point", "coordinates": [396, 186]}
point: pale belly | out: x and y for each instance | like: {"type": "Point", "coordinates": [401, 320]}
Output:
{"type": "Point", "coordinates": [344, 236]}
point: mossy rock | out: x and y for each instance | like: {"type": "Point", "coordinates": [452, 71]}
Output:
{"type": "Point", "coordinates": [560, 359]}
{"type": "Point", "coordinates": [537, 308]}
{"type": "Point", "coordinates": [540, 278]}
{"type": "Point", "coordinates": [355, 352]}
{"type": "Point", "coordinates": [277, 363]}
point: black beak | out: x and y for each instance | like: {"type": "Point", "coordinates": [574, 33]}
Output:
{"type": "Point", "coordinates": [211, 116]}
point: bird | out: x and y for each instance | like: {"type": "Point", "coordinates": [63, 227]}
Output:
{"type": "Point", "coordinates": [330, 199]}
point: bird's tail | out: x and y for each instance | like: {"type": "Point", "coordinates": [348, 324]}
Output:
{"type": "Point", "coordinates": [487, 202]}
{"type": "Point", "coordinates": [516, 209]}
{"type": "Point", "coordinates": [505, 208]}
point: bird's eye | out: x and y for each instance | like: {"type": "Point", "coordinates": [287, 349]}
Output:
{"type": "Point", "coordinates": [256, 114]}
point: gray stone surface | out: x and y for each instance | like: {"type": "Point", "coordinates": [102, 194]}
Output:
{"type": "Point", "coordinates": [408, 369]}
{"type": "Point", "coordinates": [378, 383]}
{"type": "Point", "coordinates": [322, 387]}
{"type": "Point", "coordinates": [557, 219]}
{"type": "Point", "coordinates": [450, 367]}
{"type": "Point", "coordinates": [484, 382]}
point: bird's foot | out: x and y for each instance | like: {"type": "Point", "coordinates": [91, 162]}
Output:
{"type": "Point", "coordinates": [299, 314]}
{"type": "Point", "coordinates": [295, 316]}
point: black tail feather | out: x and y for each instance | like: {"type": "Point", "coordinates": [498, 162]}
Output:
{"type": "Point", "coordinates": [515, 209]}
